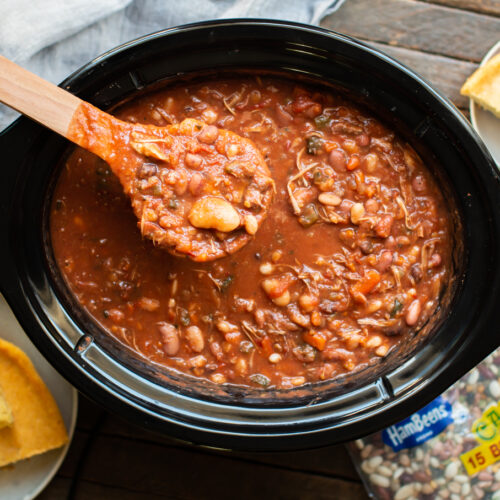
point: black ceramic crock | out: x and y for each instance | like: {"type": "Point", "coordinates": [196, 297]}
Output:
{"type": "Point", "coordinates": [235, 417]}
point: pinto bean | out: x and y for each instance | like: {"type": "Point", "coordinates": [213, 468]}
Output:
{"type": "Point", "coordinates": [195, 183]}
{"type": "Point", "coordinates": [169, 338]}
{"type": "Point", "coordinates": [195, 338]}
{"type": "Point", "coordinates": [384, 261]}
{"type": "Point", "coordinates": [435, 260]}
{"type": "Point", "coordinates": [193, 161]}
{"type": "Point", "coordinates": [366, 246]}
{"type": "Point", "coordinates": [416, 272]}
{"type": "Point", "coordinates": [413, 313]}
{"type": "Point", "coordinates": [384, 226]}
{"type": "Point", "coordinates": [208, 134]}
{"type": "Point", "coordinates": [418, 183]}
{"type": "Point", "coordinates": [216, 350]}
{"type": "Point", "coordinates": [371, 206]}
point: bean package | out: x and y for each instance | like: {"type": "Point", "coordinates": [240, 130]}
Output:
{"type": "Point", "coordinates": [448, 450]}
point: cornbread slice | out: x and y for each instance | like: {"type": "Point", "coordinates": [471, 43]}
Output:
{"type": "Point", "coordinates": [6, 417]}
{"type": "Point", "coordinates": [484, 86]}
{"type": "Point", "coordinates": [38, 426]}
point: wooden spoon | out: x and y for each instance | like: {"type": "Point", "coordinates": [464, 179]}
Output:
{"type": "Point", "coordinates": [197, 190]}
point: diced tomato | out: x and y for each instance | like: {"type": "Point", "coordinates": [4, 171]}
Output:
{"type": "Point", "coordinates": [366, 284]}
{"type": "Point", "coordinates": [316, 339]}
{"type": "Point", "coordinates": [267, 346]}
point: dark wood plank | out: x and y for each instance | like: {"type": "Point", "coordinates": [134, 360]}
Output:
{"type": "Point", "coordinates": [186, 474]}
{"type": "Point", "coordinates": [60, 487]}
{"type": "Point", "coordinates": [482, 6]}
{"type": "Point", "coordinates": [332, 461]}
{"type": "Point", "coordinates": [88, 413]}
{"type": "Point", "coordinates": [418, 25]}
{"type": "Point", "coordinates": [444, 73]}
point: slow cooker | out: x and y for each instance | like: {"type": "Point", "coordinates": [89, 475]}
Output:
{"type": "Point", "coordinates": [238, 417]}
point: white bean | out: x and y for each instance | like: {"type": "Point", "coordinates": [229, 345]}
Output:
{"type": "Point", "coordinates": [451, 470]}
{"type": "Point", "coordinates": [211, 212]}
{"type": "Point", "coordinates": [383, 482]}
{"type": "Point", "coordinates": [494, 389]}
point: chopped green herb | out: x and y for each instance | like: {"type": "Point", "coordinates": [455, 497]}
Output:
{"type": "Point", "coordinates": [321, 120]}
{"type": "Point", "coordinates": [246, 346]}
{"type": "Point", "coordinates": [226, 283]}
{"type": "Point", "coordinates": [397, 307]}
{"type": "Point", "coordinates": [59, 204]}
{"type": "Point", "coordinates": [258, 378]}
{"type": "Point", "coordinates": [207, 318]}
{"type": "Point", "coordinates": [309, 215]}
{"type": "Point", "coordinates": [173, 203]}
{"type": "Point", "coordinates": [184, 317]}
{"type": "Point", "coordinates": [318, 175]}
{"type": "Point", "coordinates": [105, 313]}
{"type": "Point", "coordinates": [314, 145]}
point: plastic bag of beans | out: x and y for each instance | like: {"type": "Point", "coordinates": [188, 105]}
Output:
{"type": "Point", "coordinates": [448, 450]}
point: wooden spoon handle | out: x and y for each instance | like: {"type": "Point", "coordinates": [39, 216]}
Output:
{"type": "Point", "coordinates": [35, 97]}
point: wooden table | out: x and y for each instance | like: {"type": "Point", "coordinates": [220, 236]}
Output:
{"type": "Point", "coordinates": [443, 40]}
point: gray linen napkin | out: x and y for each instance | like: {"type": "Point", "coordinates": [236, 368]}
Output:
{"type": "Point", "coordinates": [53, 38]}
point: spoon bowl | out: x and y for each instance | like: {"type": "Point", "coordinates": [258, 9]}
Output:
{"type": "Point", "coordinates": [197, 190]}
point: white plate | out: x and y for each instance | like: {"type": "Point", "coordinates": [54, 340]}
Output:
{"type": "Point", "coordinates": [486, 124]}
{"type": "Point", "coordinates": [26, 479]}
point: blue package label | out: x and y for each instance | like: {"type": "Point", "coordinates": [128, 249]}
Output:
{"type": "Point", "coordinates": [420, 427]}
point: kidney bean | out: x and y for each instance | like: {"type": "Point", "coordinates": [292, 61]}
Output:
{"type": "Point", "coordinates": [337, 159]}
{"type": "Point", "coordinates": [363, 140]}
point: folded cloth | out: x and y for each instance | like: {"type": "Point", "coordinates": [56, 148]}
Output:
{"type": "Point", "coordinates": [53, 38]}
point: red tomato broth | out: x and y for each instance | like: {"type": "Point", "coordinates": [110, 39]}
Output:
{"type": "Point", "coordinates": [337, 258]}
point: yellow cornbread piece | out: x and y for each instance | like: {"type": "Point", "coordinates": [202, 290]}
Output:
{"type": "Point", "coordinates": [484, 86]}
{"type": "Point", "coordinates": [6, 417]}
{"type": "Point", "coordinates": [38, 426]}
